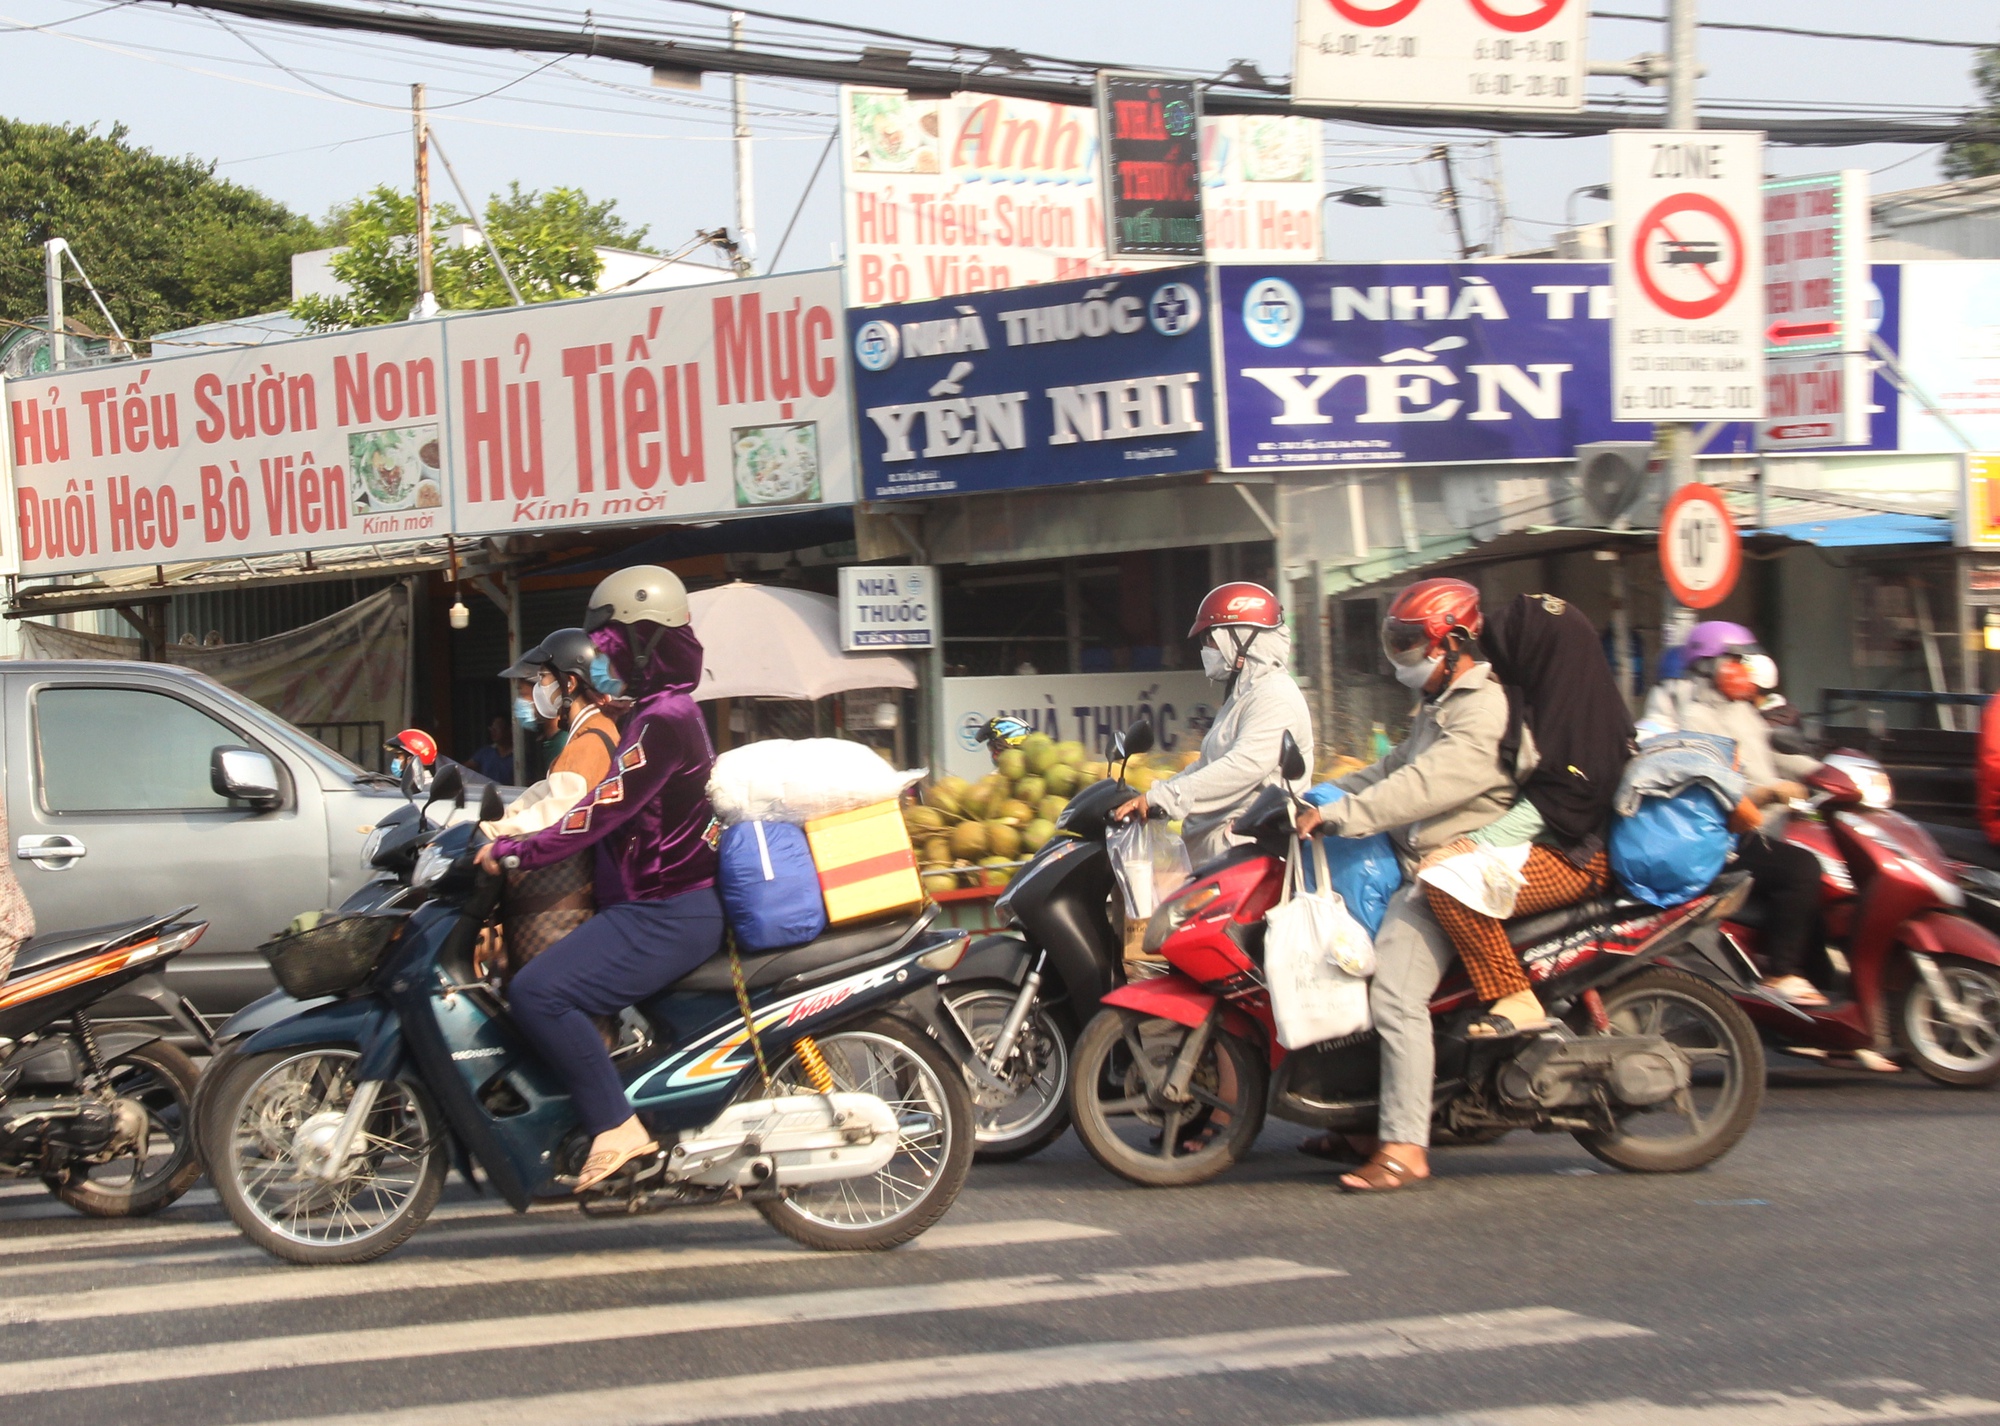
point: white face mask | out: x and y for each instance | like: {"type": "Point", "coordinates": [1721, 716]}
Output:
{"type": "Point", "coordinates": [1215, 663]}
{"type": "Point", "coordinates": [548, 703]}
{"type": "Point", "coordinates": [1416, 675]}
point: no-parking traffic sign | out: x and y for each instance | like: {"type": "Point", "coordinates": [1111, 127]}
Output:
{"type": "Point", "coordinates": [1519, 55]}
{"type": "Point", "coordinates": [1687, 338]}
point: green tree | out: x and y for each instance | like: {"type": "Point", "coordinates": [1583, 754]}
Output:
{"type": "Point", "coordinates": [547, 239]}
{"type": "Point", "coordinates": [166, 242]}
{"type": "Point", "coordinates": [1981, 157]}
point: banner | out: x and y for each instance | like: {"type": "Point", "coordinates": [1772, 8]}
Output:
{"type": "Point", "coordinates": [1089, 708]}
{"type": "Point", "coordinates": [304, 445]}
{"type": "Point", "coordinates": [695, 402]}
{"type": "Point", "coordinates": [1071, 381]}
{"type": "Point", "coordinates": [949, 196]}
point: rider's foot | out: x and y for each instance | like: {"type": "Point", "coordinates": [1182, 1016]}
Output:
{"type": "Point", "coordinates": [612, 1150]}
{"type": "Point", "coordinates": [1795, 989]}
{"type": "Point", "coordinates": [1393, 1167]}
{"type": "Point", "coordinates": [1876, 1061]}
{"type": "Point", "coordinates": [1510, 1014]}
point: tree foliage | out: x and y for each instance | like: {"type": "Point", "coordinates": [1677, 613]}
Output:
{"type": "Point", "coordinates": [166, 242]}
{"type": "Point", "coordinates": [1979, 158]}
{"type": "Point", "coordinates": [547, 239]}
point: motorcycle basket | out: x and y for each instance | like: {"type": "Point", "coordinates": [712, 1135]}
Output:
{"type": "Point", "coordinates": [328, 954]}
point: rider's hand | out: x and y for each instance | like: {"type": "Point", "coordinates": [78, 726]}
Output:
{"type": "Point", "coordinates": [1308, 821]}
{"type": "Point", "coordinates": [1446, 852]}
{"type": "Point", "coordinates": [1781, 791]}
{"type": "Point", "coordinates": [486, 861]}
{"type": "Point", "coordinates": [1127, 811]}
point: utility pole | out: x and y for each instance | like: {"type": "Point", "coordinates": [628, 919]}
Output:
{"type": "Point", "coordinates": [52, 282]}
{"type": "Point", "coordinates": [1442, 153]}
{"type": "Point", "coordinates": [427, 305]}
{"type": "Point", "coordinates": [1675, 439]}
{"type": "Point", "coordinates": [746, 191]}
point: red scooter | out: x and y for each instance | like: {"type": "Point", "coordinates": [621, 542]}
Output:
{"type": "Point", "coordinates": [1654, 1067]}
{"type": "Point", "coordinates": [1919, 975]}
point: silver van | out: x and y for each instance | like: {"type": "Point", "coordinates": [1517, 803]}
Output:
{"type": "Point", "coordinates": [133, 788]}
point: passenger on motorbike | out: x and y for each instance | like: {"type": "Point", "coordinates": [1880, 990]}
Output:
{"type": "Point", "coordinates": [1443, 782]}
{"type": "Point", "coordinates": [1001, 734]}
{"type": "Point", "coordinates": [1245, 648]}
{"type": "Point", "coordinates": [1718, 694]}
{"type": "Point", "coordinates": [650, 824]}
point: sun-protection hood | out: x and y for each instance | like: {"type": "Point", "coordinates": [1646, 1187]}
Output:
{"type": "Point", "coordinates": [651, 658]}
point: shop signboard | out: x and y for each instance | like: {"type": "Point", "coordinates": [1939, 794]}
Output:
{"type": "Point", "coordinates": [888, 607]}
{"type": "Point", "coordinates": [1089, 708]}
{"type": "Point", "coordinates": [1071, 381]}
{"type": "Point", "coordinates": [698, 402]}
{"type": "Point", "coordinates": [1152, 164]}
{"type": "Point", "coordinates": [947, 196]}
{"type": "Point", "coordinates": [1979, 500]}
{"type": "Point", "coordinates": [1816, 307]}
{"type": "Point", "coordinates": [1520, 56]}
{"type": "Point", "coordinates": [1415, 363]}
{"type": "Point", "coordinates": [1948, 345]}
{"type": "Point", "coordinates": [304, 445]}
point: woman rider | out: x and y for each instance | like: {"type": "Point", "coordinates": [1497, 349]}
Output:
{"type": "Point", "coordinates": [649, 821]}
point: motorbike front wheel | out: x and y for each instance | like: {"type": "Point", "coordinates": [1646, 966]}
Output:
{"type": "Point", "coordinates": [1122, 1060]}
{"type": "Point", "coordinates": [1959, 1046]}
{"type": "Point", "coordinates": [1033, 1110]}
{"type": "Point", "coordinates": [265, 1124]}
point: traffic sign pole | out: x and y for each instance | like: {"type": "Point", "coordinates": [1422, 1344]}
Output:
{"type": "Point", "coordinates": [1675, 439]}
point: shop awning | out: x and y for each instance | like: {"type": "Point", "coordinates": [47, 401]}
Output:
{"type": "Point", "coordinates": [1836, 519]}
{"type": "Point", "coordinates": [1881, 529]}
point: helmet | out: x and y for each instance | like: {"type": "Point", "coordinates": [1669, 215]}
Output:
{"type": "Point", "coordinates": [416, 743]}
{"type": "Point", "coordinates": [1717, 637]}
{"type": "Point", "coordinates": [1426, 614]}
{"type": "Point", "coordinates": [564, 651]}
{"type": "Point", "coordinates": [1239, 602]}
{"type": "Point", "coordinates": [1001, 733]}
{"type": "Point", "coordinates": [645, 593]}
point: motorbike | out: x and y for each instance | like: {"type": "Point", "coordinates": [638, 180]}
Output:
{"type": "Point", "coordinates": [826, 1087]}
{"type": "Point", "coordinates": [101, 1113]}
{"type": "Point", "coordinates": [1652, 1065]}
{"type": "Point", "coordinates": [1919, 972]}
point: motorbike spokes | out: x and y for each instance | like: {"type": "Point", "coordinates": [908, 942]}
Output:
{"type": "Point", "coordinates": [1954, 1041]}
{"type": "Point", "coordinates": [1125, 1117]}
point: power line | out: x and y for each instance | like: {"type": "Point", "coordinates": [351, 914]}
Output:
{"type": "Point", "coordinates": [1805, 33]}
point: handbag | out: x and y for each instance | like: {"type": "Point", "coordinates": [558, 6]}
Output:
{"type": "Point", "coordinates": [1317, 956]}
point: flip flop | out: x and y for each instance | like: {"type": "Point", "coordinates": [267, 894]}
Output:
{"type": "Point", "coordinates": [1499, 1027]}
{"type": "Point", "coordinates": [606, 1162]}
{"type": "Point", "coordinates": [1382, 1174]}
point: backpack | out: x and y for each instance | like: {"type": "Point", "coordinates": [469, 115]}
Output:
{"type": "Point", "coordinates": [769, 886]}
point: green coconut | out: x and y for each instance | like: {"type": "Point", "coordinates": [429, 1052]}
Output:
{"type": "Point", "coordinates": [937, 852]}
{"type": "Point", "coordinates": [968, 839]}
{"type": "Point", "coordinates": [1013, 810]}
{"type": "Point", "coordinates": [1072, 753]}
{"type": "Point", "coordinates": [1061, 779]}
{"type": "Point", "coordinates": [1003, 839]}
{"type": "Point", "coordinates": [1031, 790]}
{"type": "Point", "coordinates": [1011, 764]}
{"type": "Point", "coordinates": [1043, 758]}
{"type": "Point", "coordinates": [937, 881]}
{"type": "Point", "coordinates": [994, 871]}
{"type": "Point", "coordinates": [1050, 808]}
{"type": "Point", "coordinates": [923, 819]}
{"type": "Point", "coordinates": [1036, 834]}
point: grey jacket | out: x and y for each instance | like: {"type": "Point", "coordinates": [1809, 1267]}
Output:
{"type": "Point", "coordinates": [1694, 705]}
{"type": "Point", "coordinates": [1442, 782]}
{"type": "Point", "coordinates": [1239, 756]}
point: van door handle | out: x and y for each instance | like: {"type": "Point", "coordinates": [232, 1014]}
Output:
{"type": "Point", "coordinates": [51, 853]}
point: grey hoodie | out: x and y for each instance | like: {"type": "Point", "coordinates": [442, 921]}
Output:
{"type": "Point", "coordinates": [1239, 757]}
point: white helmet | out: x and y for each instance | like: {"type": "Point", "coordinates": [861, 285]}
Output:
{"type": "Point", "coordinates": [643, 594]}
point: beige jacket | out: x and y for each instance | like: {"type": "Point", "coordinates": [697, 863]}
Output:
{"type": "Point", "coordinates": [1442, 782]}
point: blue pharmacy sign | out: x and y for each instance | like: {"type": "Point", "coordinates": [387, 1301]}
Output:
{"type": "Point", "coordinates": [1107, 378]}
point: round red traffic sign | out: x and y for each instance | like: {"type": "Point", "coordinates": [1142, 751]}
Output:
{"type": "Point", "coordinates": [1375, 17]}
{"type": "Point", "coordinates": [1662, 247]}
{"type": "Point", "coordinates": [1539, 15]}
{"type": "Point", "coordinates": [1700, 554]}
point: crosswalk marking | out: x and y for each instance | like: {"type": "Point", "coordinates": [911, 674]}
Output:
{"type": "Point", "coordinates": [122, 1235]}
{"type": "Point", "coordinates": [825, 1389]}
{"type": "Point", "coordinates": [1732, 1409]}
{"type": "Point", "coordinates": [559, 1329]}
{"type": "Point", "coordinates": [242, 1290]}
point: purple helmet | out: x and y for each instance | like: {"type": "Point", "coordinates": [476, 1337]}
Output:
{"type": "Point", "coordinates": [1715, 638]}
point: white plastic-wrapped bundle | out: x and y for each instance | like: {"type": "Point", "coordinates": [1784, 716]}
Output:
{"type": "Point", "coordinates": [784, 780]}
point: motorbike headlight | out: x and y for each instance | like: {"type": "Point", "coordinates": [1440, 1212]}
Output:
{"type": "Point", "coordinates": [372, 848]}
{"type": "Point", "coordinates": [432, 864]}
{"type": "Point", "coordinates": [1170, 915]}
{"type": "Point", "coordinates": [1877, 791]}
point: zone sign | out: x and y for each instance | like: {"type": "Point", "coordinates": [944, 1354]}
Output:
{"type": "Point", "coordinates": [1519, 56]}
{"type": "Point", "coordinates": [1687, 331]}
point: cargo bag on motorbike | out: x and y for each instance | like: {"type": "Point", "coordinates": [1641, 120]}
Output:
{"type": "Point", "coordinates": [866, 864]}
{"type": "Point", "coordinates": [1365, 870]}
{"type": "Point", "coordinates": [1317, 957]}
{"type": "Point", "coordinates": [770, 888]}
{"type": "Point", "coordinates": [801, 780]}
{"type": "Point", "coordinates": [1671, 837]}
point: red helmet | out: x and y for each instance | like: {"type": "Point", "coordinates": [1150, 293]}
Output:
{"type": "Point", "coordinates": [417, 743]}
{"type": "Point", "coordinates": [1425, 614]}
{"type": "Point", "coordinates": [1240, 602]}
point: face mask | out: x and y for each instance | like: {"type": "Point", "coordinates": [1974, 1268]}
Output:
{"type": "Point", "coordinates": [525, 715]}
{"type": "Point", "coordinates": [1732, 681]}
{"type": "Point", "coordinates": [547, 701]}
{"type": "Point", "coordinates": [395, 767]}
{"type": "Point", "coordinates": [603, 679]}
{"type": "Point", "coordinates": [1216, 664]}
{"type": "Point", "coordinates": [1414, 676]}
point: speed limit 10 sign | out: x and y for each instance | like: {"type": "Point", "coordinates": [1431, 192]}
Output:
{"type": "Point", "coordinates": [1700, 554]}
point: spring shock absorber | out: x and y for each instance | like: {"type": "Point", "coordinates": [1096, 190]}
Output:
{"type": "Point", "coordinates": [809, 1055]}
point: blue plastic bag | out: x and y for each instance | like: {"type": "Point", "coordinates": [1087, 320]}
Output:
{"type": "Point", "coordinates": [1364, 869]}
{"type": "Point", "coordinates": [770, 888]}
{"type": "Point", "coordinates": [1670, 849]}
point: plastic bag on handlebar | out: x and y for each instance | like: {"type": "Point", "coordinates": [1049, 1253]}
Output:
{"type": "Point", "coordinates": [1150, 863]}
{"type": "Point", "coordinates": [1364, 870]}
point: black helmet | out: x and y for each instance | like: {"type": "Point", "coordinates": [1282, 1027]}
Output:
{"type": "Point", "coordinates": [564, 651]}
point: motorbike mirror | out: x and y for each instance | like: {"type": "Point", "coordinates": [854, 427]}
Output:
{"type": "Point", "coordinates": [491, 807]}
{"type": "Point", "coordinates": [448, 785]}
{"type": "Point", "coordinates": [1291, 762]}
{"type": "Point", "coordinates": [1137, 739]}
{"type": "Point", "coordinates": [408, 779]}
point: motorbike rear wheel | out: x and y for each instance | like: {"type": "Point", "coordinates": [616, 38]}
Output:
{"type": "Point", "coordinates": [1033, 1111]}
{"type": "Point", "coordinates": [1129, 1130]}
{"type": "Point", "coordinates": [160, 1079]}
{"type": "Point", "coordinates": [1727, 1086]}
{"type": "Point", "coordinates": [1963, 1055]}
{"type": "Point", "coordinates": [269, 1110]}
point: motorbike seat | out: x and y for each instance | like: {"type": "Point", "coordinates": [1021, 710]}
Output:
{"type": "Point", "coordinates": [41, 952]}
{"type": "Point", "coordinates": [826, 955]}
{"type": "Point", "coordinates": [1524, 931]}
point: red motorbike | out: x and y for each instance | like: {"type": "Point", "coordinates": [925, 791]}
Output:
{"type": "Point", "coordinates": [1913, 973]}
{"type": "Point", "coordinates": [1654, 1067]}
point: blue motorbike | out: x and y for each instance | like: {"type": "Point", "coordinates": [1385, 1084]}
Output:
{"type": "Point", "coordinates": [824, 1083]}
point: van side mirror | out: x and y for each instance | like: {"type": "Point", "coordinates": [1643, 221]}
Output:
{"type": "Point", "coordinates": [448, 785]}
{"type": "Point", "coordinates": [1291, 762]}
{"type": "Point", "coordinates": [245, 775]}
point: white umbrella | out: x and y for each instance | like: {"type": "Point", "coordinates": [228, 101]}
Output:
{"type": "Point", "coordinates": [763, 642]}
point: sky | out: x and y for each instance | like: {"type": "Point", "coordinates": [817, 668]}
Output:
{"type": "Point", "coordinates": [312, 118]}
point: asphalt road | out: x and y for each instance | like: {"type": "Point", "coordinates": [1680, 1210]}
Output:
{"type": "Point", "coordinates": [1839, 1267]}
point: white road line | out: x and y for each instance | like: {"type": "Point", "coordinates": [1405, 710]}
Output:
{"type": "Point", "coordinates": [1728, 1409]}
{"type": "Point", "coordinates": [418, 1274]}
{"type": "Point", "coordinates": [881, 1383]}
{"type": "Point", "coordinates": [216, 1359]}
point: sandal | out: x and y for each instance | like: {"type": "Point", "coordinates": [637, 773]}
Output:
{"type": "Point", "coordinates": [606, 1162]}
{"type": "Point", "coordinates": [1334, 1148]}
{"type": "Point", "coordinates": [1499, 1027]}
{"type": "Point", "coordinates": [1382, 1174]}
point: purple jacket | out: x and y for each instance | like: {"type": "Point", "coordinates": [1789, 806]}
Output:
{"type": "Point", "coordinates": [650, 817]}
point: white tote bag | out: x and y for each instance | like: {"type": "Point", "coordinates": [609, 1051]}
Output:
{"type": "Point", "coordinates": [1317, 957]}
